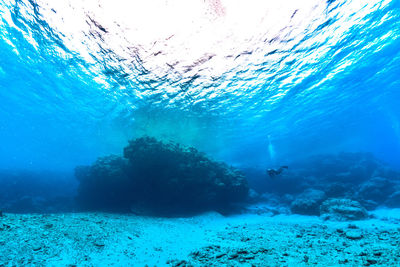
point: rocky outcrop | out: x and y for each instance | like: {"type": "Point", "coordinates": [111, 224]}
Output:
{"type": "Point", "coordinates": [393, 201]}
{"type": "Point", "coordinates": [105, 184]}
{"type": "Point", "coordinates": [308, 202]}
{"type": "Point", "coordinates": [341, 209]}
{"type": "Point", "coordinates": [376, 189]}
{"type": "Point", "coordinates": [358, 176]}
{"type": "Point", "coordinates": [161, 177]}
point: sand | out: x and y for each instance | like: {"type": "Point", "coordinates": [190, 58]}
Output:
{"type": "Point", "coordinates": [103, 239]}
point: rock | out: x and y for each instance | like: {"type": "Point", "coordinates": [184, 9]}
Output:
{"type": "Point", "coordinates": [253, 196]}
{"type": "Point", "coordinates": [372, 261]}
{"type": "Point", "coordinates": [36, 247]}
{"type": "Point", "coordinates": [233, 255]}
{"type": "Point", "coordinates": [306, 259]}
{"type": "Point", "coordinates": [352, 226]}
{"type": "Point", "coordinates": [368, 204]}
{"type": "Point", "coordinates": [308, 202]}
{"type": "Point", "coordinates": [354, 234]}
{"type": "Point", "coordinates": [358, 176]}
{"type": "Point", "coordinates": [105, 184]}
{"type": "Point", "coordinates": [337, 189]}
{"type": "Point", "coordinates": [341, 209]}
{"type": "Point", "coordinates": [393, 201]}
{"type": "Point", "coordinates": [376, 189]}
{"type": "Point", "coordinates": [288, 198]}
{"type": "Point", "coordinates": [4, 227]}
{"type": "Point", "coordinates": [179, 263]}
{"type": "Point", "coordinates": [220, 255]}
{"type": "Point", "coordinates": [99, 244]}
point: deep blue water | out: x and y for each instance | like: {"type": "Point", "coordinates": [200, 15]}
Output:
{"type": "Point", "coordinates": [76, 83]}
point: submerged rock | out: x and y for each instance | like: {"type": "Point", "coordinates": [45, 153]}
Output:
{"type": "Point", "coordinates": [105, 184]}
{"type": "Point", "coordinates": [358, 176]}
{"type": "Point", "coordinates": [341, 209]}
{"type": "Point", "coordinates": [393, 201]}
{"type": "Point", "coordinates": [338, 189]}
{"type": "Point", "coordinates": [368, 204]}
{"type": "Point", "coordinates": [354, 234]}
{"type": "Point", "coordinates": [160, 177]}
{"type": "Point", "coordinates": [308, 202]}
{"type": "Point", "coordinates": [376, 189]}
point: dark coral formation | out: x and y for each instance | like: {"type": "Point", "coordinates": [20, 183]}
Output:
{"type": "Point", "coordinates": [104, 184]}
{"type": "Point", "coordinates": [159, 177]}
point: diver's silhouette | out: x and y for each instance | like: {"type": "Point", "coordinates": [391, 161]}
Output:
{"type": "Point", "coordinates": [273, 173]}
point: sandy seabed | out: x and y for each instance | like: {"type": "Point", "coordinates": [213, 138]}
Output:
{"type": "Point", "coordinates": [103, 239]}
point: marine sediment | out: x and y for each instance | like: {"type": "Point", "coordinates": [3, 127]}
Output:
{"type": "Point", "coordinates": [104, 239]}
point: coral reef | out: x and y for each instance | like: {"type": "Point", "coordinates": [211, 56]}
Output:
{"type": "Point", "coordinates": [356, 176]}
{"type": "Point", "coordinates": [105, 184]}
{"type": "Point", "coordinates": [161, 178]}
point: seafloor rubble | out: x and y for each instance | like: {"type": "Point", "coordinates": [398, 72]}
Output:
{"type": "Point", "coordinates": [153, 176]}
{"type": "Point", "coordinates": [104, 239]}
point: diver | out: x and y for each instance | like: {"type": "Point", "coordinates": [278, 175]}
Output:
{"type": "Point", "coordinates": [275, 172]}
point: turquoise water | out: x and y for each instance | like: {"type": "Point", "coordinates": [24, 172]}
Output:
{"type": "Point", "coordinates": [77, 81]}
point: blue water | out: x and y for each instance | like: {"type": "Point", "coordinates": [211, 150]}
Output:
{"type": "Point", "coordinates": [71, 94]}
{"type": "Point", "coordinates": [301, 99]}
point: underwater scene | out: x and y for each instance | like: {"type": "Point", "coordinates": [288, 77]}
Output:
{"type": "Point", "coordinates": [200, 133]}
